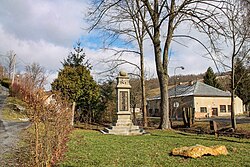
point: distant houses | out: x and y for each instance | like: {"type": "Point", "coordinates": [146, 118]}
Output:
{"type": "Point", "coordinates": [202, 99]}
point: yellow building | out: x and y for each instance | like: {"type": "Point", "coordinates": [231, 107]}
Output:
{"type": "Point", "coordinates": [204, 100]}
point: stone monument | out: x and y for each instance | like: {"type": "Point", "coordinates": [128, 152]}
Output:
{"type": "Point", "coordinates": [123, 125]}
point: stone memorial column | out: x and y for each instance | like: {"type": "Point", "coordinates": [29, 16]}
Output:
{"type": "Point", "coordinates": [123, 124]}
{"type": "Point", "coordinates": [123, 100]}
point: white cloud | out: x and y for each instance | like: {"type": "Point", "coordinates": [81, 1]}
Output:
{"type": "Point", "coordinates": [59, 22]}
{"type": "Point", "coordinates": [47, 54]}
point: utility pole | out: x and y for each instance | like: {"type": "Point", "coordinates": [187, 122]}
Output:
{"type": "Point", "coordinates": [176, 103]}
{"type": "Point", "coordinates": [14, 68]}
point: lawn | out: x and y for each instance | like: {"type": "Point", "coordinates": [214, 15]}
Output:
{"type": "Point", "coordinates": [91, 148]}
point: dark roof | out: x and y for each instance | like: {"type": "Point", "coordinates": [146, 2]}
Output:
{"type": "Point", "coordinates": [196, 89]}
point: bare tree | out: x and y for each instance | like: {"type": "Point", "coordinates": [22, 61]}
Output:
{"type": "Point", "coordinates": [35, 75]}
{"type": "Point", "coordinates": [10, 64]}
{"type": "Point", "coordinates": [121, 19]}
{"type": "Point", "coordinates": [161, 19]}
{"type": "Point", "coordinates": [237, 38]}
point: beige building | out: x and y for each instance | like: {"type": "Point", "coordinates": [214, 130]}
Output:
{"type": "Point", "coordinates": [205, 100]}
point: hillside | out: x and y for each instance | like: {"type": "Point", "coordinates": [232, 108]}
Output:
{"type": "Point", "coordinates": [153, 88]}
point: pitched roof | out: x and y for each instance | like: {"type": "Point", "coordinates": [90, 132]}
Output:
{"type": "Point", "coordinates": [196, 89]}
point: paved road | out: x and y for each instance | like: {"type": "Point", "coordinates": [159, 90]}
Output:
{"type": "Point", "coordinates": [9, 130]}
{"type": "Point", "coordinates": [239, 120]}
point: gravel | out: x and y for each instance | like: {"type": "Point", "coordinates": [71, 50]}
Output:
{"type": "Point", "coordinates": [9, 130]}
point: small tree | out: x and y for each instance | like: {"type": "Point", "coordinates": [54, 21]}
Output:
{"type": "Point", "coordinates": [210, 78]}
{"type": "Point", "coordinates": [76, 84]}
{"type": "Point", "coordinates": [107, 103]}
{"type": "Point", "coordinates": [242, 78]}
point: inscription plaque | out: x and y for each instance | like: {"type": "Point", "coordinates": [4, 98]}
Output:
{"type": "Point", "coordinates": [123, 101]}
{"type": "Point", "coordinates": [123, 82]}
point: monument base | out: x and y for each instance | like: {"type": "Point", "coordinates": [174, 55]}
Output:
{"type": "Point", "coordinates": [123, 130]}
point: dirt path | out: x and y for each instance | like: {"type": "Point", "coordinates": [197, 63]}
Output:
{"type": "Point", "coordinates": [9, 131]}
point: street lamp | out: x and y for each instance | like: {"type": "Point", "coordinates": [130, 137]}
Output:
{"type": "Point", "coordinates": [176, 104]}
{"type": "Point", "coordinates": [181, 67]}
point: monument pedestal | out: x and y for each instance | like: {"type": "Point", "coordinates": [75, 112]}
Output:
{"type": "Point", "coordinates": [123, 125]}
{"type": "Point", "coordinates": [124, 130]}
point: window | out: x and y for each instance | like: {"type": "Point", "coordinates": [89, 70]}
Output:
{"type": "Point", "coordinates": [229, 108]}
{"type": "Point", "coordinates": [203, 109]}
{"type": "Point", "coordinates": [222, 108]}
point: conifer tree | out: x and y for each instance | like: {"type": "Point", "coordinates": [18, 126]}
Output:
{"type": "Point", "coordinates": [76, 84]}
{"type": "Point", "coordinates": [210, 78]}
{"type": "Point", "coordinates": [77, 58]}
{"type": "Point", "coordinates": [242, 80]}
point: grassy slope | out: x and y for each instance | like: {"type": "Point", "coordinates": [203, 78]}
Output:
{"type": "Point", "coordinates": [91, 148]}
{"type": "Point", "coordinates": [8, 113]}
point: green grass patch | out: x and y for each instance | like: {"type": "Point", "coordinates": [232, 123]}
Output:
{"type": "Point", "coordinates": [17, 101]}
{"type": "Point", "coordinates": [91, 148]}
{"type": "Point", "coordinates": [11, 109]}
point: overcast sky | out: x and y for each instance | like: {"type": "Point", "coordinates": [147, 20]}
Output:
{"type": "Point", "coordinates": [44, 31]}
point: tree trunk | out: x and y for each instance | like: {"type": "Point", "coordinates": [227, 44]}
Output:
{"type": "Point", "coordinates": [233, 120]}
{"type": "Point", "coordinates": [163, 81]}
{"type": "Point", "coordinates": [164, 106]}
{"type": "Point", "coordinates": [162, 73]}
{"type": "Point", "coordinates": [144, 103]}
{"type": "Point", "coordinates": [162, 65]}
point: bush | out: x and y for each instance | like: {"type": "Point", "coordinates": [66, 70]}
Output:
{"type": "Point", "coordinates": [50, 119]}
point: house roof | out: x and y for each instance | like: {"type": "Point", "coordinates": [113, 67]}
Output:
{"type": "Point", "coordinates": [196, 89]}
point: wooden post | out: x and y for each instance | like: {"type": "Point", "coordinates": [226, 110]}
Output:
{"type": "Point", "coordinates": [214, 128]}
{"type": "Point", "coordinates": [193, 115]}
{"type": "Point", "coordinates": [185, 119]}
{"type": "Point", "coordinates": [189, 116]}
{"type": "Point", "coordinates": [73, 113]}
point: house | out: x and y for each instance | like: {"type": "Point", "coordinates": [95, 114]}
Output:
{"type": "Point", "coordinates": [204, 100]}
